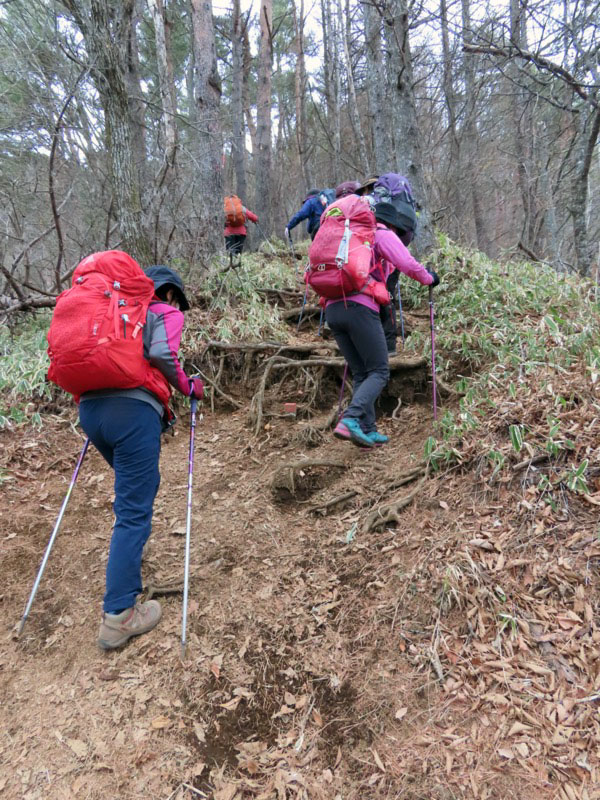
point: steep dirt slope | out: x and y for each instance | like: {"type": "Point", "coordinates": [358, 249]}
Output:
{"type": "Point", "coordinates": [324, 661]}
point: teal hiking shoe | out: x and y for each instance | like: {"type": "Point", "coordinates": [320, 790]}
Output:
{"type": "Point", "coordinates": [378, 438]}
{"type": "Point", "coordinates": [356, 433]}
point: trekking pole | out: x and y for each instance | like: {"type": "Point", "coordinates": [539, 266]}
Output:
{"type": "Point", "coordinates": [339, 411]}
{"type": "Point", "coordinates": [432, 353]}
{"type": "Point", "coordinates": [291, 244]}
{"type": "Point", "coordinates": [401, 314]}
{"type": "Point", "coordinates": [188, 525]}
{"type": "Point", "coordinates": [302, 309]}
{"type": "Point", "coordinates": [265, 238]}
{"type": "Point", "coordinates": [320, 321]}
{"type": "Point", "coordinates": [52, 538]}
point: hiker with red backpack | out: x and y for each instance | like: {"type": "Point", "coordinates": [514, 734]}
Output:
{"type": "Point", "coordinates": [236, 217]}
{"type": "Point", "coordinates": [313, 206]}
{"type": "Point", "coordinates": [350, 260]}
{"type": "Point", "coordinates": [113, 344]}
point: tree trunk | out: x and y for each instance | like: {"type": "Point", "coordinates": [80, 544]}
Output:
{"type": "Point", "coordinates": [300, 96]}
{"type": "Point", "coordinates": [453, 194]}
{"type": "Point", "coordinates": [331, 83]}
{"type": "Point", "coordinates": [166, 84]}
{"type": "Point", "coordinates": [408, 152]}
{"type": "Point", "coordinates": [262, 205]}
{"type": "Point", "coordinates": [136, 103]}
{"type": "Point", "coordinates": [106, 29]}
{"type": "Point", "coordinates": [209, 145]}
{"type": "Point", "coordinates": [238, 137]}
{"type": "Point", "coordinates": [376, 87]}
{"type": "Point", "coordinates": [521, 119]}
{"type": "Point", "coordinates": [469, 139]}
{"type": "Point", "coordinates": [589, 129]}
{"type": "Point", "coordinates": [352, 101]}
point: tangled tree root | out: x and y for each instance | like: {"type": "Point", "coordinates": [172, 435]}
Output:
{"type": "Point", "coordinates": [289, 479]}
{"type": "Point", "coordinates": [390, 512]}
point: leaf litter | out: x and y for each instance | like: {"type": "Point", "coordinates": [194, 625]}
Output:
{"type": "Point", "coordinates": [455, 653]}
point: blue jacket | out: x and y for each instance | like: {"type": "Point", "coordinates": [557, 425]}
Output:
{"type": "Point", "coordinates": [310, 211]}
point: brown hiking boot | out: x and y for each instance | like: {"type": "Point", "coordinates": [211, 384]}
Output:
{"type": "Point", "coordinates": [117, 629]}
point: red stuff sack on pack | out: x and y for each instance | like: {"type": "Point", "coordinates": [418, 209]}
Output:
{"type": "Point", "coordinates": [95, 338]}
{"type": "Point", "coordinates": [234, 211]}
{"type": "Point", "coordinates": [341, 255]}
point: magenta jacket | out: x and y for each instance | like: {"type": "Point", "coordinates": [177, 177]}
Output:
{"type": "Point", "coordinates": [391, 254]}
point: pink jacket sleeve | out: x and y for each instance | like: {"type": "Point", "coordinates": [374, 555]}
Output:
{"type": "Point", "coordinates": [389, 248]}
{"type": "Point", "coordinates": [165, 338]}
{"type": "Point", "coordinates": [251, 215]}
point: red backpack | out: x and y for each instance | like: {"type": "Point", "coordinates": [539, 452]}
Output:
{"type": "Point", "coordinates": [95, 338]}
{"type": "Point", "coordinates": [234, 211]}
{"type": "Point", "coordinates": [341, 255]}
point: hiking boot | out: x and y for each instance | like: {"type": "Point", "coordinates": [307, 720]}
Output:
{"type": "Point", "coordinates": [355, 432]}
{"type": "Point", "coordinates": [117, 629]}
{"type": "Point", "coordinates": [341, 431]}
{"type": "Point", "coordinates": [378, 438]}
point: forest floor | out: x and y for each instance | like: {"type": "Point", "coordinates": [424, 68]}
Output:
{"type": "Point", "coordinates": [453, 655]}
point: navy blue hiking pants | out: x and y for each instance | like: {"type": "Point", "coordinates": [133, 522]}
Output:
{"type": "Point", "coordinates": [359, 335]}
{"type": "Point", "coordinates": [127, 433]}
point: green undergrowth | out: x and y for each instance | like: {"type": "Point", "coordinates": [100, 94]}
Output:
{"type": "Point", "coordinates": [23, 367]}
{"type": "Point", "coordinates": [239, 309]}
{"type": "Point", "coordinates": [518, 335]}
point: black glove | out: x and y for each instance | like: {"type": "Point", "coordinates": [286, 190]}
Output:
{"type": "Point", "coordinates": [435, 276]}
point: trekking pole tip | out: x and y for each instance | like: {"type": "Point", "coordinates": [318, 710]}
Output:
{"type": "Point", "coordinates": [183, 651]}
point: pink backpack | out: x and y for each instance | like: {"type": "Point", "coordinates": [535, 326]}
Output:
{"type": "Point", "coordinates": [341, 255]}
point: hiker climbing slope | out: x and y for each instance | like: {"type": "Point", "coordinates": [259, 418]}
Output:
{"type": "Point", "coordinates": [236, 217]}
{"type": "Point", "coordinates": [396, 190]}
{"type": "Point", "coordinates": [350, 261]}
{"type": "Point", "coordinates": [123, 386]}
{"type": "Point", "coordinates": [311, 210]}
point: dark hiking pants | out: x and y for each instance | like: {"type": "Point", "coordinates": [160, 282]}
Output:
{"type": "Point", "coordinates": [235, 243]}
{"type": "Point", "coordinates": [359, 335]}
{"type": "Point", "coordinates": [127, 433]}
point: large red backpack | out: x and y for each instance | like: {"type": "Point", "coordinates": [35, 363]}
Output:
{"type": "Point", "coordinates": [341, 256]}
{"type": "Point", "coordinates": [234, 211]}
{"type": "Point", "coordinates": [95, 338]}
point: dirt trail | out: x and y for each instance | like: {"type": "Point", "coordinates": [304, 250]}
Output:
{"type": "Point", "coordinates": [288, 682]}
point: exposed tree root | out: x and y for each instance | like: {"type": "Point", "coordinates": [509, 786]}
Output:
{"type": "Point", "coordinates": [391, 511]}
{"type": "Point", "coordinates": [334, 501]}
{"type": "Point", "coordinates": [279, 362]}
{"type": "Point", "coordinates": [447, 390]}
{"type": "Point", "coordinates": [285, 476]}
{"type": "Point", "coordinates": [216, 387]}
{"type": "Point", "coordinates": [280, 347]}
{"type": "Point", "coordinates": [307, 311]}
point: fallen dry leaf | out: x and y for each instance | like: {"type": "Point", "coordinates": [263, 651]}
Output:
{"type": "Point", "coordinates": [161, 722]}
